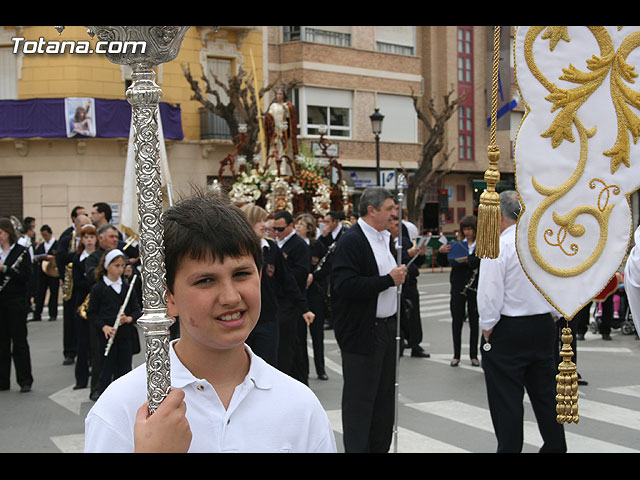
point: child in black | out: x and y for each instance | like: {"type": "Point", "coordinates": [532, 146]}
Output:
{"type": "Point", "coordinates": [107, 296]}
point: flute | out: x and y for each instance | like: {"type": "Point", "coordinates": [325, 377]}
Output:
{"type": "Point", "coordinates": [117, 322]}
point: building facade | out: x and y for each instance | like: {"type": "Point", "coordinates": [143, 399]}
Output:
{"type": "Point", "coordinates": [344, 74]}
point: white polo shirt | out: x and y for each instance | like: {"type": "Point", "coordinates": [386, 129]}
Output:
{"type": "Point", "coordinates": [269, 412]}
{"type": "Point", "coordinates": [504, 288]}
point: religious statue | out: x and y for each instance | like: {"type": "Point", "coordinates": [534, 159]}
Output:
{"type": "Point", "coordinates": [281, 129]}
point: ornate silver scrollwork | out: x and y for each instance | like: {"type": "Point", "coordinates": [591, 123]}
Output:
{"type": "Point", "coordinates": [162, 44]}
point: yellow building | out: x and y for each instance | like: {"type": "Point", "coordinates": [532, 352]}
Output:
{"type": "Point", "coordinates": [344, 74]}
{"type": "Point", "coordinates": [46, 176]}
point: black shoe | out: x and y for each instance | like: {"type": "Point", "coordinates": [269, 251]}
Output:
{"type": "Point", "coordinates": [323, 376]}
{"type": "Point", "coordinates": [455, 362]}
{"type": "Point", "coordinates": [94, 395]}
{"type": "Point", "coordinates": [52, 319]}
{"type": "Point", "coordinates": [79, 387]}
{"type": "Point", "coordinates": [68, 361]}
{"type": "Point", "coordinates": [25, 388]}
{"type": "Point", "coordinates": [475, 362]}
{"type": "Point", "coordinates": [420, 353]}
{"type": "Point", "coordinates": [606, 336]}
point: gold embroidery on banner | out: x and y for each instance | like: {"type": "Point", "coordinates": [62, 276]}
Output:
{"type": "Point", "coordinates": [568, 101]}
{"type": "Point", "coordinates": [567, 222]}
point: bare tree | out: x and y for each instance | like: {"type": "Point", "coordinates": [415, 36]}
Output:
{"type": "Point", "coordinates": [242, 103]}
{"type": "Point", "coordinates": [429, 169]}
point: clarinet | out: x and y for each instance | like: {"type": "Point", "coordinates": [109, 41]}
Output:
{"type": "Point", "coordinates": [14, 267]}
{"type": "Point", "coordinates": [331, 248]}
{"type": "Point", "coordinates": [474, 274]}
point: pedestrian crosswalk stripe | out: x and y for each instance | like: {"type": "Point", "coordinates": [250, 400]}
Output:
{"type": "Point", "coordinates": [408, 440]}
{"type": "Point", "coordinates": [480, 418]}
{"type": "Point", "coordinates": [428, 301]}
{"type": "Point", "coordinates": [606, 412]}
{"type": "Point", "coordinates": [631, 390]}
{"type": "Point", "coordinates": [69, 443]}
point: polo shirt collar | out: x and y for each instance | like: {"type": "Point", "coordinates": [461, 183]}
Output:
{"type": "Point", "coordinates": [259, 372]}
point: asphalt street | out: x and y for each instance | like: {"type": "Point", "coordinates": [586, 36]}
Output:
{"type": "Point", "coordinates": [440, 409]}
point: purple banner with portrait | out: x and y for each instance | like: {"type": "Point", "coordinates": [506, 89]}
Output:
{"type": "Point", "coordinates": [46, 117]}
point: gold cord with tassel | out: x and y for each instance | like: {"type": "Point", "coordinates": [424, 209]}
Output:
{"type": "Point", "coordinates": [567, 378]}
{"type": "Point", "coordinates": [488, 236]}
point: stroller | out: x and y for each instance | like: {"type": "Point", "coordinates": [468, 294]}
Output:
{"type": "Point", "coordinates": [622, 318]}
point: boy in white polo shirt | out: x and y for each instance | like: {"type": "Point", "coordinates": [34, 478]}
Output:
{"type": "Point", "coordinates": [223, 397]}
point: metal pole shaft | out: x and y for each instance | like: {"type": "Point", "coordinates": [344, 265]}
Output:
{"type": "Point", "coordinates": [400, 180]}
{"type": "Point", "coordinates": [378, 159]}
{"type": "Point", "coordinates": [144, 96]}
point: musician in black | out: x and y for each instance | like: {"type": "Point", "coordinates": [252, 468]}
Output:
{"type": "Point", "coordinates": [306, 228]}
{"type": "Point", "coordinates": [15, 270]}
{"type": "Point", "coordinates": [291, 355]}
{"type": "Point", "coordinates": [108, 295]}
{"type": "Point", "coordinates": [464, 286]}
{"type": "Point", "coordinates": [276, 277]}
{"type": "Point", "coordinates": [48, 278]}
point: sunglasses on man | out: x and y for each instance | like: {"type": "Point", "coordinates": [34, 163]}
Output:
{"type": "Point", "coordinates": [279, 229]}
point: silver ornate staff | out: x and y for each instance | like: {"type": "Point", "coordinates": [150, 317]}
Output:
{"type": "Point", "coordinates": [149, 46]}
{"type": "Point", "coordinates": [400, 183]}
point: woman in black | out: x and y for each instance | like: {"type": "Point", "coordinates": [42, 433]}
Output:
{"type": "Point", "coordinates": [464, 286]}
{"type": "Point", "coordinates": [15, 269]}
{"type": "Point", "coordinates": [276, 277]}
{"type": "Point", "coordinates": [88, 243]}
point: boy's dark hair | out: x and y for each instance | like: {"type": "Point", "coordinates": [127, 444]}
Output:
{"type": "Point", "coordinates": [105, 208]}
{"type": "Point", "coordinates": [288, 218]}
{"type": "Point", "coordinates": [46, 228]}
{"type": "Point", "coordinates": [207, 226]}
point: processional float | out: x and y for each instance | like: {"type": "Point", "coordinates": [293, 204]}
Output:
{"type": "Point", "coordinates": [575, 166]}
{"type": "Point", "coordinates": [162, 45]}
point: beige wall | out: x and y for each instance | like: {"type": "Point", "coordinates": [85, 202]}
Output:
{"type": "Point", "coordinates": [58, 174]}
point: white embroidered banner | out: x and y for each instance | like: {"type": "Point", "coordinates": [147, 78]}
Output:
{"type": "Point", "coordinates": [576, 157]}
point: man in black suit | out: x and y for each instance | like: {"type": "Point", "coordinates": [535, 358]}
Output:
{"type": "Point", "coordinates": [67, 245]}
{"type": "Point", "coordinates": [292, 354]}
{"type": "Point", "coordinates": [46, 251]}
{"type": "Point", "coordinates": [365, 278]}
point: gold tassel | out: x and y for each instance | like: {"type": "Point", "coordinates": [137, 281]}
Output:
{"type": "Point", "coordinates": [567, 378]}
{"type": "Point", "coordinates": [488, 235]}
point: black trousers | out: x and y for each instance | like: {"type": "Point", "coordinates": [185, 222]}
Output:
{"type": "Point", "coordinates": [290, 359]}
{"type": "Point", "coordinates": [69, 339]}
{"type": "Point", "coordinates": [83, 359]}
{"type": "Point", "coordinates": [368, 400]}
{"type": "Point", "coordinates": [459, 305]}
{"type": "Point", "coordinates": [411, 324]}
{"type": "Point", "coordinates": [45, 282]}
{"type": "Point", "coordinates": [522, 356]}
{"type": "Point", "coordinates": [13, 342]}
{"type": "Point", "coordinates": [118, 362]}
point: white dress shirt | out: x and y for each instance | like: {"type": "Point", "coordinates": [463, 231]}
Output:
{"type": "Point", "coordinates": [280, 243]}
{"type": "Point", "coordinates": [632, 281]}
{"type": "Point", "coordinates": [269, 412]}
{"type": "Point", "coordinates": [504, 288]}
{"type": "Point", "coordinates": [5, 254]}
{"type": "Point", "coordinates": [379, 241]}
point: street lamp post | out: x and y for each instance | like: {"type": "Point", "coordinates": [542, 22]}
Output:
{"type": "Point", "coordinates": [376, 125]}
